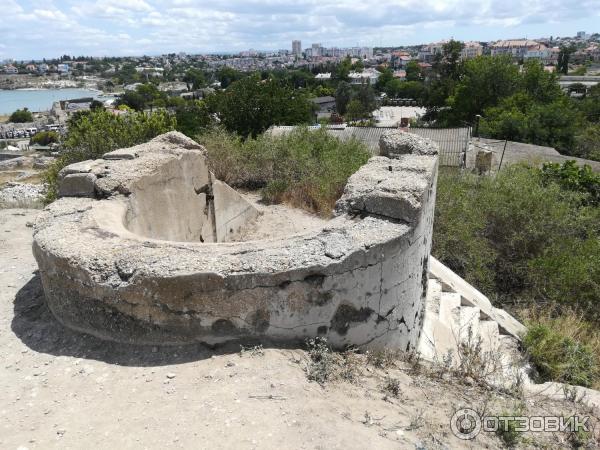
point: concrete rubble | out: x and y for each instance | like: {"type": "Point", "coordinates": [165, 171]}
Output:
{"type": "Point", "coordinates": [397, 142]}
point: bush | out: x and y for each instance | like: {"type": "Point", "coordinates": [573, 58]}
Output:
{"type": "Point", "coordinates": [307, 169]}
{"type": "Point", "coordinates": [573, 177]}
{"type": "Point", "coordinates": [511, 235]}
{"type": "Point", "coordinates": [560, 357]}
{"type": "Point", "coordinates": [45, 138]}
{"type": "Point", "coordinates": [93, 133]}
{"type": "Point", "coordinates": [21, 116]}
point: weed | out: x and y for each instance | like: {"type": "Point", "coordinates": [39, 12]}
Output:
{"type": "Point", "coordinates": [474, 362]}
{"type": "Point", "coordinates": [307, 169]}
{"type": "Point", "coordinates": [326, 365]}
{"type": "Point", "coordinates": [256, 350]}
{"type": "Point", "coordinates": [416, 420]}
{"type": "Point", "coordinates": [349, 366]}
{"type": "Point", "coordinates": [571, 394]}
{"type": "Point", "coordinates": [560, 357]}
{"type": "Point", "coordinates": [391, 386]}
{"type": "Point", "coordinates": [382, 359]}
{"type": "Point", "coordinates": [507, 427]}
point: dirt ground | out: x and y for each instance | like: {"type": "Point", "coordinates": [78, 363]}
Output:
{"type": "Point", "coordinates": [61, 389]}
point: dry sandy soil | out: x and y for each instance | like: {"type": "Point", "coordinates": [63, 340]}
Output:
{"type": "Point", "coordinates": [61, 389]}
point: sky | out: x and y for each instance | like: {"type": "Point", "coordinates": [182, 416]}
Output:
{"type": "Point", "coordinates": [48, 28]}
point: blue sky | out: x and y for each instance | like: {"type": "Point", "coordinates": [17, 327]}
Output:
{"type": "Point", "coordinates": [47, 28]}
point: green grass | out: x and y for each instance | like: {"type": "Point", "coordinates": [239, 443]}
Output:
{"type": "Point", "coordinates": [559, 353]}
{"type": "Point", "coordinates": [304, 168]}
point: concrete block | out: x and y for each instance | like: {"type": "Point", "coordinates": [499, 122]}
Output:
{"type": "Point", "coordinates": [77, 185]}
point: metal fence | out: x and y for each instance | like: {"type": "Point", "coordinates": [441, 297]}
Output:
{"type": "Point", "coordinates": [453, 142]}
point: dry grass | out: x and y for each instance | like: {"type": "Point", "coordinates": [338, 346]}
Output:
{"type": "Point", "coordinates": [566, 325]}
{"type": "Point", "coordinates": [306, 169]}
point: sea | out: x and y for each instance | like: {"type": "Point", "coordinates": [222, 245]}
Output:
{"type": "Point", "coordinates": [37, 100]}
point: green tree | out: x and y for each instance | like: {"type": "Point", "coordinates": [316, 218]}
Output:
{"type": "Point", "coordinates": [563, 58]}
{"type": "Point", "coordinates": [96, 104]}
{"type": "Point", "coordinates": [91, 134]}
{"type": "Point", "coordinates": [541, 85]}
{"type": "Point", "coordinates": [406, 89]}
{"type": "Point", "coordinates": [485, 82]}
{"type": "Point", "coordinates": [343, 95]}
{"type": "Point", "coordinates": [587, 143]}
{"type": "Point", "coordinates": [358, 66]}
{"type": "Point", "coordinates": [366, 96]}
{"type": "Point", "coordinates": [193, 117]}
{"type": "Point", "coordinates": [386, 76]}
{"type": "Point", "coordinates": [355, 110]}
{"type": "Point", "coordinates": [127, 74]}
{"type": "Point", "coordinates": [194, 78]}
{"type": "Point", "coordinates": [21, 116]}
{"type": "Point", "coordinates": [342, 70]}
{"type": "Point", "coordinates": [448, 64]}
{"type": "Point", "coordinates": [145, 96]}
{"type": "Point", "coordinates": [413, 71]}
{"type": "Point", "coordinates": [521, 118]}
{"type": "Point", "coordinates": [227, 75]}
{"type": "Point", "coordinates": [250, 106]}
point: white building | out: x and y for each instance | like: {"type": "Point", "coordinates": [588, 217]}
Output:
{"type": "Point", "coordinates": [471, 50]}
{"type": "Point", "coordinates": [546, 55]}
{"type": "Point", "coordinates": [366, 76]}
{"type": "Point", "coordinates": [428, 52]}
{"type": "Point", "coordinates": [323, 76]}
{"type": "Point", "coordinates": [517, 48]}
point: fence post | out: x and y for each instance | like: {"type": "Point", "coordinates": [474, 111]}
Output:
{"type": "Point", "coordinates": [476, 132]}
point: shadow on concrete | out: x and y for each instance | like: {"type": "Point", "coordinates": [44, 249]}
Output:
{"type": "Point", "coordinates": [38, 329]}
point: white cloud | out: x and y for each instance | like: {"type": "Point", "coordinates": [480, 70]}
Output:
{"type": "Point", "coordinates": [155, 26]}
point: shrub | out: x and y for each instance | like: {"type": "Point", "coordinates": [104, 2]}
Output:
{"type": "Point", "coordinates": [94, 133]}
{"type": "Point", "coordinates": [307, 169]}
{"type": "Point", "coordinates": [511, 234]}
{"type": "Point", "coordinates": [21, 116]}
{"type": "Point", "coordinates": [44, 138]}
{"type": "Point", "coordinates": [559, 356]}
{"type": "Point", "coordinates": [507, 427]}
{"type": "Point", "coordinates": [324, 365]}
{"type": "Point", "coordinates": [573, 177]}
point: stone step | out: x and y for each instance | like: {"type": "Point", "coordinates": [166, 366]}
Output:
{"type": "Point", "coordinates": [469, 324]}
{"type": "Point", "coordinates": [489, 334]}
{"type": "Point", "coordinates": [451, 282]}
{"type": "Point", "coordinates": [449, 306]}
{"type": "Point", "coordinates": [436, 339]}
{"type": "Point", "coordinates": [434, 293]}
{"type": "Point", "coordinates": [434, 334]}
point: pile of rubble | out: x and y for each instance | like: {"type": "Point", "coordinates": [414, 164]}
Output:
{"type": "Point", "coordinates": [22, 195]}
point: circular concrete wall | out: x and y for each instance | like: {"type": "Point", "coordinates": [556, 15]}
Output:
{"type": "Point", "coordinates": [107, 270]}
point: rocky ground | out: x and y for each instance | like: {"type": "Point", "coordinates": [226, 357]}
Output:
{"type": "Point", "coordinates": [21, 181]}
{"type": "Point", "coordinates": [61, 389]}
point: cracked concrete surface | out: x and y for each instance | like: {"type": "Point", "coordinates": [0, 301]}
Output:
{"type": "Point", "coordinates": [356, 279]}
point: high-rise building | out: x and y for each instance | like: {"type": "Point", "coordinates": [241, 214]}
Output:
{"type": "Point", "coordinates": [316, 49]}
{"type": "Point", "coordinates": [297, 48]}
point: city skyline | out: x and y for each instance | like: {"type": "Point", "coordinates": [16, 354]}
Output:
{"type": "Point", "coordinates": [34, 29]}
